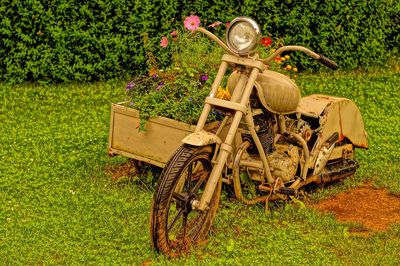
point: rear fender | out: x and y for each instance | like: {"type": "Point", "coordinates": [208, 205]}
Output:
{"type": "Point", "coordinates": [336, 115]}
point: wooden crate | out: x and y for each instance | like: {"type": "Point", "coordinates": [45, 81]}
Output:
{"type": "Point", "coordinates": [155, 145]}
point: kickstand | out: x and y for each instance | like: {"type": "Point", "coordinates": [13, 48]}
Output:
{"type": "Point", "coordinates": [267, 209]}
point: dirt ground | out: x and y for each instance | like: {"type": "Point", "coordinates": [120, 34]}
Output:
{"type": "Point", "coordinates": [374, 209]}
{"type": "Point", "coordinates": [120, 171]}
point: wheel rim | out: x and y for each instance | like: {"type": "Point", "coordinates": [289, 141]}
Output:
{"type": "Point", "coordinates": [184, 225]}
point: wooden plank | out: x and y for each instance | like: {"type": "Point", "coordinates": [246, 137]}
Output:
{"type": "Point", "coordinates": [155, 145]}
{"type": "Point", "coordinates": [137, 157]}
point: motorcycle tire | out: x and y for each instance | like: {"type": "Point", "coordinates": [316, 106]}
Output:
{"type": "Point", "coordinates": [175, 227]}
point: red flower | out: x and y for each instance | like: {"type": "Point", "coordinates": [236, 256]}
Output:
{"type": "Point", "coordinates": [174, 33]}
{"type": "Point", "coordinates": [266, 41]}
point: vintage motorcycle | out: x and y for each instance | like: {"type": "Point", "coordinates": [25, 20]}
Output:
{"type": "Point", "coordinates": [279, 139]}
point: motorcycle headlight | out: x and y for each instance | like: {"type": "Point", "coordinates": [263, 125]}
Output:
{"type": "Point", "coordinates": [243, 35]}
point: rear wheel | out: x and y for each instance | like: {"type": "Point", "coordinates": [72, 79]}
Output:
{"type": "Point", "coordinates": [175, 226]}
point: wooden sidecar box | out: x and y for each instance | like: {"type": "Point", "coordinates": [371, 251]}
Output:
{"type": "Point", "coordinates": [155, 145]}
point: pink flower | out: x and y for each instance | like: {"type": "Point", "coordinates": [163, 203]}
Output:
{"type": "Point", "coordinates": [192, 22]}
{"type": "Point", "coordinates": [174, 33]}
{"type": "Point", "coordinates": [227, 24]}
{"type": "Point", "coordinates": [164, 42]}
{"type": "Point", "coordinates": [215, 24]}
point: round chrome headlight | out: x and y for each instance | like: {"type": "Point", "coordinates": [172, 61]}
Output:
{"type": "Point", "coordinates": [243, 35]}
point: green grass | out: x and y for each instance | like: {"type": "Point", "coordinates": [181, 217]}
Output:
{"type": "Point", "coordinates": [58, 205]}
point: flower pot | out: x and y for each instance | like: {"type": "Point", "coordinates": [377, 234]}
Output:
{"type": "Point", "coordinates": [155, 145]}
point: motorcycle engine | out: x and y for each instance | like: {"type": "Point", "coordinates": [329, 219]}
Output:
{"type": "Point", "coordinates": [265, 123]}
{"type": "Point", "coordinates": [284, 161]}
{"type": "Point", "coordinates": [283, 158]}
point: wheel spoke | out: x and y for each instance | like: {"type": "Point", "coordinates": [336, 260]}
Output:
{"type": "Point", "coordinates": [185, 217]}
{"type": "Point", "coordinates": [194, 234]}
{"type": "Point", "coordinates": [200, 181]}
{"type": "Point", "coordinates": [189, 178]}
{"type": "Point", "coordinates": [178, 197]}
{"type": "Point", "coordinates": [175, 220]}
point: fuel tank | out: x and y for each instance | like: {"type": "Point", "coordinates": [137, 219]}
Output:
{"type": "Point", "coordinates": [277, 93]}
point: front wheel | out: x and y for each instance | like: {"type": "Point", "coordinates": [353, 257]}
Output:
{"type": "Point", "coordinates": [175, 227]}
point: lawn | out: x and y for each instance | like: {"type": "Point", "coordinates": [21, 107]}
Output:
{"type": "Point", "coordinates": [59, 204]}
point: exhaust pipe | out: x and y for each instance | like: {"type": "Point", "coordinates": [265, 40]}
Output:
{"type": "Point", "coordinates": [334, 172]}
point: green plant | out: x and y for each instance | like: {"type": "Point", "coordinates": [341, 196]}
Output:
{"type": "Point", "coordinates": [67, 40]}
{"type": "Point", "coordinates": [178, 91]}
{"type": "Point", "coordinates": [283, 63]}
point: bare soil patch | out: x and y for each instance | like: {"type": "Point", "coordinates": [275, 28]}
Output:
{"type": "Point", "coordinates": [119, 171]}
{"type": "Point", "coordinates": [375, 209]}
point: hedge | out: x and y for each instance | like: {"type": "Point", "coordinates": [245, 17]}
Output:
{"type": "Point", "coordinates": [63, 40]}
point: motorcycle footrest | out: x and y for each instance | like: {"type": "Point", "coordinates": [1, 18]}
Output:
{"type": "Point", "coordinates": [287, 191]}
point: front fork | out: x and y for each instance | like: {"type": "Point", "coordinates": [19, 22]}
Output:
{"type": "Point", "coordinates": [226, 147]}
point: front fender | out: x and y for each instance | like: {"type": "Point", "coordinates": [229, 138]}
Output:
{"type": "Point", "coordinates": [202, 138]}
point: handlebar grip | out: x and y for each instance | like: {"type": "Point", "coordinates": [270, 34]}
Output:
{"type": "Point", "coordinates": [328, 62]}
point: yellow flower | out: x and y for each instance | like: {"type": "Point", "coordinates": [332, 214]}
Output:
{"type": "Point", "coordinates": [288, 67]}
{"type": "Point", "coordinates": [283, 59]}
{"type": "Point", "coordinates": [223, 94]}
{"type": "Point", "coordinates": [295, 69]}
{"type": "Point", "coordinates": [287, 57]}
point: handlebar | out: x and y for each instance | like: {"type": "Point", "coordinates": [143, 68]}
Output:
{"type": "Point", "coordinates": [217, 40]}
{"type": "Point", "coordinates": [322, 59]}
{"type": "Point", "coordinates": [328, 62]}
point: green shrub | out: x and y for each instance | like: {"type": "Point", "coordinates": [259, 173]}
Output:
{"type": "Point", "coordinates": [64, 40]}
